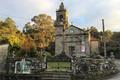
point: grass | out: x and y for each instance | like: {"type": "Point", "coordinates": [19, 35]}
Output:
{"type": "Point", "coordinates": [58, 66]}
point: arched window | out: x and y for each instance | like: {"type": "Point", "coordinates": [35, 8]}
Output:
{"type": "Point", "coordinates": [83, 46]}
{"type": "Point", "coordinates": [71, 31]}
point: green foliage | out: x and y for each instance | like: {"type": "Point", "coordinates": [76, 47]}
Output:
{"type": "Point", "coordinates": [9, 23]}
{"type": "Point", "coordinates": [28, 47]}
{"type": "Point", "coordinates": [28, 27]}
{"type": "Point", "coordinates": [108, 35]}
{"type": "Point", "coordinates": [111, 38]}
{"type": "Point", "coordinates": [94, 32]}
{"type": "Point", "coordinates": [51, 48]}
{"type": "Point", "coordinates": [114, 44]}
{"type": "Point", "coordinates": [10, 34]}
{"type": "Point", "coordinates": [42, 31]}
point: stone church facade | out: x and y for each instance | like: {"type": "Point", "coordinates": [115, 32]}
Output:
{"type": "Point", "coordinates": [71, 40]}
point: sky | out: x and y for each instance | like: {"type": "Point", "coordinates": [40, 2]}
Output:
{"type": "Point", "coordinates": [82, 13]}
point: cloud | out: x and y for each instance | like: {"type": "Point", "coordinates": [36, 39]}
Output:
{"type": "Point", "coordinates": [90, 12]}
{"type": "Point", "coordinates": [84, 13]}
{"type": "Point", "coordinates": [23, 10]}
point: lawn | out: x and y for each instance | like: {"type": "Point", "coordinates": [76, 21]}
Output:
{"type": "Point", "coordinates": [58, 66]}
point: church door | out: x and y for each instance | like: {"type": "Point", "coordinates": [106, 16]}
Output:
{"type": "Point", "coordinates": [71, 50]}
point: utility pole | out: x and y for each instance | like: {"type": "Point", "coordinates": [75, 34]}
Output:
{"type": "Point", "coordinates": [104, 40]}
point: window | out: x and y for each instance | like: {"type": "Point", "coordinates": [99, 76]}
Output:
{"type": "Point", "coordinates": [83, 46]}
{"type": "Point", "coordinates": [71, 30]}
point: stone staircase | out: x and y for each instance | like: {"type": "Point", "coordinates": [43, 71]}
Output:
{"type": "Point", "coordinates": [41, 76]}
{"type": "Point", "coordinates": [56, 76]}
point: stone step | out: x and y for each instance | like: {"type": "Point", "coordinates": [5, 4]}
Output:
{"type": "Point", "coordinates": [56, 76]}
{"type": "Point", "coordinates": [40, 76]}
{"type": "Point", "coordinates": [51, 72]}
{"type": "Point", "coordinates": [65, 76]}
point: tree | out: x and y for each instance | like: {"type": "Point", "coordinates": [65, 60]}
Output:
{"type": "Point", "coordinates": [28, 28]}
{"type": "Point", "coordinates": [42, 31]}
{"type": "Point", "coordinates": [10, 23]}
{"type": "Point", "coordinates": [28, 47]}
{"type": "Point", "coordinates": [94, 32]}
{"type": "Point", "coordinates": [10, 34]}
{"type": "Point", "coordinates": [108, 35]}
{"type": "Point", "coordinates": [114, 44]}
{"type": "Point", "coordinates": [7, 27]}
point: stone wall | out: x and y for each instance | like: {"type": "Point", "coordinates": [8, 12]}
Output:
{"type": "Point", "coordinates": [3, 55]}
{"type": "Point", "coordinates": [73, 37]}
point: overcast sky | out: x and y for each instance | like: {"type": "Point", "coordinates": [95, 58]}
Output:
{"type": "Point", "coordinates": [82, 13]}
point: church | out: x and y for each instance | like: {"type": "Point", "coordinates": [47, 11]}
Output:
{"type": "Point", "coordinates": [70, 40]}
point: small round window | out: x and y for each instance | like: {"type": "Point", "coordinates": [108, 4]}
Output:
{"type": "Point", "coordinates": [71, 30]}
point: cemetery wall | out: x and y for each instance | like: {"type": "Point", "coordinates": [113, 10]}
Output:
{"type": "Point", "coordinates": [3, 55]}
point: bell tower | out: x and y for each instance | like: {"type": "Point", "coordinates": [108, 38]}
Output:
{"type": "Point", "coordinates": [61, 22]}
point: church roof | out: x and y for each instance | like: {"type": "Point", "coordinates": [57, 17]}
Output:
{"type": "Point", "coordinates": [77, 27]}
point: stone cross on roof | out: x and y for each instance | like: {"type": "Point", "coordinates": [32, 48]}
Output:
{"type": "Point", "coordinates": [61, 6]}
